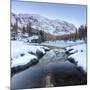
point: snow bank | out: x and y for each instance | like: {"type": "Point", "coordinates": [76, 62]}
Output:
{"type": "Point", "coordinates": [80, 56]}
{"type": "Point", "coordinates": [22, 53]}
{"type": "Point", "coordinates": [18, 47]}
{"type": "Point", "coordinates": [22, 60]}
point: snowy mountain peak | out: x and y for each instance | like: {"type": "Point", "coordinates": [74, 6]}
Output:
{"type": "Point", "coordinates": [56, 27]}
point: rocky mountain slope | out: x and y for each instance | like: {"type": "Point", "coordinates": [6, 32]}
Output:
{"type": "Point", "coordinates": [56, 27]}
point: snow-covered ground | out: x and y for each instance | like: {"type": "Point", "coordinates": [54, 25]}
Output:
{"type": "Point", "coordinates": [19, 47]}
{"type": "Point", "coordinates": [20, 52]}
{"type": "Point", "coordinates": [23, 60]}
{"type": "Point", "coordinates": [61, 43]}
{"type": "Point", "coordinates": [80, 55]}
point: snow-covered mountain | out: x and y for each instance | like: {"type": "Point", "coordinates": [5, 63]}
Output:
{"type": "Point", "coordinates": [56, 27]}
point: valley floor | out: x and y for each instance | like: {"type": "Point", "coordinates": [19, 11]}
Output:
{"type": "Point", "coordinates": [35, 65]}
{"type": "Point", "coordinates": [22, 53]}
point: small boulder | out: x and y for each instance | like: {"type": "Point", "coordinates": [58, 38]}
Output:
{"type": "Point", "coordinates": [22, 54]}
{"type": "Point", "coordinates": [72, 60]}
{"type": "Point", "coordinates": [81, 50]}
{"type": "Point", "coordinates": [39, 54]}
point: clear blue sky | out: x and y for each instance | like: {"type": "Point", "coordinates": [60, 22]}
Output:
{"type": "Point", "coordinates": [75, 14]}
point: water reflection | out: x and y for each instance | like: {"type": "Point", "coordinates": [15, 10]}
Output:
{"type": "Point", "coordinates": [61, 73]}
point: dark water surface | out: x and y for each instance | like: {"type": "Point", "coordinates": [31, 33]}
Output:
{"type": "Point", "coordinates": [61, 73]}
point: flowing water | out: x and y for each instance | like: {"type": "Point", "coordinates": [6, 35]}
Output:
{"type": "Point", "coordinates": [47, 75]}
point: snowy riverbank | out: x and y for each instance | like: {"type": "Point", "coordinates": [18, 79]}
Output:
{"type": "Point", "coordinates": [23, 53]}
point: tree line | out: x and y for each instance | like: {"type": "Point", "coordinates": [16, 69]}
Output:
{"type": "Point", "coordinates": [80, 33]}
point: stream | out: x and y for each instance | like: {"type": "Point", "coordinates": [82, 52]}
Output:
{"type": "Point", "coordinates": [52, 70]}
{"type": "Point", "coordinates": [48, 75]}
